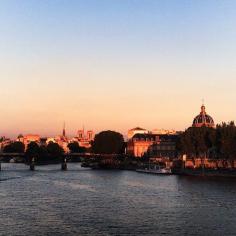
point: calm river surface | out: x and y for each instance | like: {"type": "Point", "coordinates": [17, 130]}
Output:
{"type": "Point", "coordinates": [95, 202]}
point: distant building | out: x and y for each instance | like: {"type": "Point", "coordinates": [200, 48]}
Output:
{"type": "Point", "coordinates": [27, 139]}
{"type": "Point", "coordinates": [163, 131]}
{"type": "Point", "coordinates": [203, 119]}
{"type": "Point", "coordinates": [4, 142]}
{"type": "Point", "coordinates": [43, 141]}
{"type": "Point", "coordinates": [50, 139]}
{"type": "Point", "coordinates": [84, 138]}
{"type": "Point", "coordinates": [152, 144]}
{"type": "Point", "coordinates": [61, 140]}
{"type": "Point", "coordinates": [166, 147]}
{"type": "Point", "coordinates": [136, 130]}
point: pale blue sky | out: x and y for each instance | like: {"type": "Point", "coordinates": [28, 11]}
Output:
{"type": "Point", "coordinates": [115, 64]}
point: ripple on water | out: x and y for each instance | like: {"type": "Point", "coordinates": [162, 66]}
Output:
{"type": "Point", "coordinates": [51, 202]}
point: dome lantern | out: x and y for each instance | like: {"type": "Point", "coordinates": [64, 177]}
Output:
{"type": "Point", "coordinates": [203, 109]}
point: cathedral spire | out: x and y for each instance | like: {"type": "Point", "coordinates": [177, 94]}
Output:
{"type": "Point", "coordinates": [64, 130]}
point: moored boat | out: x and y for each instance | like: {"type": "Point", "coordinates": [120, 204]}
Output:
{"type": "Point", "coordinates": [155, 169]}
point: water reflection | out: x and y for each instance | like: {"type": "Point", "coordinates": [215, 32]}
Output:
{"type": "Point", "coordinates": [85, 202]}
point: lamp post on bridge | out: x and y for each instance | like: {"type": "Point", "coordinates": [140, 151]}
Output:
{"type": "Point", "coordinates": [32, 164]}
{"type": "Point", "coordinates": [64, 164]}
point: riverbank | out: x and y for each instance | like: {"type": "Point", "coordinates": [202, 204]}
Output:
{"type": "Point", "coordinates": [132, 164]}
{"type": "Point", "coordinates": [207, 172]}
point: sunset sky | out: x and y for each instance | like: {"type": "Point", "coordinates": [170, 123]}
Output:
{"type": "Point", "coordinates": [115, 64]}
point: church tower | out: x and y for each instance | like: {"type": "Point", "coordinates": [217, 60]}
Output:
{"type": "Point", "coordinates": [64, 130]}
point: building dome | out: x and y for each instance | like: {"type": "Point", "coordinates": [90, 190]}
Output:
{"type": "Point", "coordinates": [203, 119]}
{"type": "Point", "coordinates": [136, 130]}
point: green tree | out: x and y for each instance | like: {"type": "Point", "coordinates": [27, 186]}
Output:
{"type": "Point", "coordinates": [108, 142]}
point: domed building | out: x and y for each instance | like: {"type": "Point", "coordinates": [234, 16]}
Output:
{"type": "Point", "coordinates": [203, 119]}
{"type": "Point", "coordinates": [136, 130]}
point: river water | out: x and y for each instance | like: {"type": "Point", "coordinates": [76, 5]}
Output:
{"type": "Point", "coordinates": [96, 202]}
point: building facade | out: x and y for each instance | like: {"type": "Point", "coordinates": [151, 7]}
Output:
{"type": "Point", "coordinates": [84, 138]}
{"type": "Point", "coordinates": [152, 145]}
{"type": "Point", "coordinates": [27, 139]}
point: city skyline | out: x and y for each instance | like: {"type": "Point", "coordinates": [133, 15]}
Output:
{"type": "Point", "coordinates": [126, 134]}
{"type": "Point", "coordinates": [115, 64]}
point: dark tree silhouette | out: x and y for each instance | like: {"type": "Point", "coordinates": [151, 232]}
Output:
{"type": "Point", "coordinates": [197, 141]}
{"type": "Point", "coordinates": [54, 150]}
{"type": "Point", "coordinates": [226, 141]}
{"type": "Point", "coordinates": [75, 148]}
{"type": "Point", "coordinates": [32, 150]}
{"type": "Point", "coordinates": [108, 142]}
{"type": "Point", "coordinates": [44, 154]}
{"type": "Point", "coordinates": [15, 147]}
{"type": "Point", "coordinates": [209, 142]}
